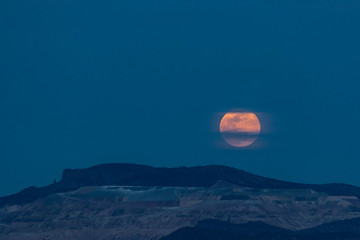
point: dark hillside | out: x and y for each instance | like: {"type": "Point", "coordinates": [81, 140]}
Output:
{"type": "Point", "coordinates": [142, 175]}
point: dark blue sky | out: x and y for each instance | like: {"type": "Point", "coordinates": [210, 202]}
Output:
{"type": "Point", "coordinates": [89, 82]}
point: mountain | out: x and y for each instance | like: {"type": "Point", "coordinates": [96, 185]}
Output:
{"type": "Point", "coordinates": [142, 175]}
{"type": "Point", "coordinates": [219, 230]}
{"type": "Point", "coordinates": [151, 212]}
{"type": "Point", "coordinates": [137, 202]}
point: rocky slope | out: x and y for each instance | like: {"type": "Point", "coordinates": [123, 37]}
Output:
{"type": "Point", "coordinates": [128, 202]}
{"type": "Point", "coordinates": [129, 213]}
{"type": "Point", "coordinates": [123, 174]}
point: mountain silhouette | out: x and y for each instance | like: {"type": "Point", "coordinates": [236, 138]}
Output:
{"type": "Point", "coordinates": [141, 175]}
{"type": "Point", "coordinates": [220, 230]}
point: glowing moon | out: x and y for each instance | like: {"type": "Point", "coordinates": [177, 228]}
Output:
{"type": "Point", "coordinates": [240, 129]}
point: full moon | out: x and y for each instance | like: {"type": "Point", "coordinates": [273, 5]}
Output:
{"type": "Point", "coordinates": [240, 129]}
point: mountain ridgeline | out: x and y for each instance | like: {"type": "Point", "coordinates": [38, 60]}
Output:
{"type": "Point", "coordinates": [141, 175]}
{"type": "Point", "coordinates": [218, 230]}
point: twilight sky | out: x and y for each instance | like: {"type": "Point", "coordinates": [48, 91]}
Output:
{"type": "Point", "coordinates": [145, 81]}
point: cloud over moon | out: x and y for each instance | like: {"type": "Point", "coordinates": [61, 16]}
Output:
{"type": "Point", "coordinates": [240, 129]}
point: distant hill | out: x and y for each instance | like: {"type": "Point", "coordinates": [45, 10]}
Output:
{"type": "Point", "coordinates": [218, 230]}
{"type": "Point", "coordinates": [142, 175]}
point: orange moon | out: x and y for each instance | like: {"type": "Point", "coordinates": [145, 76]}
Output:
{"type": "Point", "coordinates": [240, 129]}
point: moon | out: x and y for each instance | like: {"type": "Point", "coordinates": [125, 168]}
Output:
{"type": "Point", "coordinates": [240, 129]}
